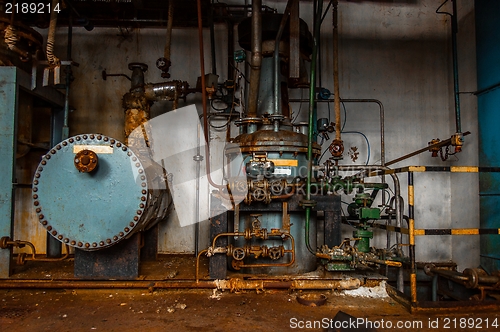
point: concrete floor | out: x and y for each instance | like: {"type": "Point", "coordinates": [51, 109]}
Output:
{"type": "Point", "coordinates": [207, 310]}
{"type": "Point", "coordinates": [204, 309]}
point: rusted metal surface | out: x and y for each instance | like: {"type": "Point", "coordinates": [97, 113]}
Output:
{"type": "Point", "coordinates": [267, 139]}
{"type": "Point", "coordinates": [86, 161]}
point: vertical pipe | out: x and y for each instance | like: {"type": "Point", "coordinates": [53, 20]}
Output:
{"type": "Point", "coordinates": [230, 48]}
{"type": "Point", "coordinates": [204, 98]}
{"type": "Point", "coordinates": [197, 202]}
{"type": "Point", "coordinates": [411, 226]}
{"type": "Point", "coordinates": [168, 41]}
{"type": "Point", "coordinates": [336, 85]}
{"type": "Point", "coordinates": [456, 90]}
{"type": "Point", "coordinates": [312, 92]}
{"type": "Point", "coordinates": [276, 69]}
{"type": "Point", "coordinates": [212, 39]}
{"type": "Point", "coordinates": [256, 60]}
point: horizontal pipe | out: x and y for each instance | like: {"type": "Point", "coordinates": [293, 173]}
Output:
{"type": "Point", "coordinates": [229, 284]}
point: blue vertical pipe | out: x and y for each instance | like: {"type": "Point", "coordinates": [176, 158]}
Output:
{"type": "Point", "coordinates": [488, 75]}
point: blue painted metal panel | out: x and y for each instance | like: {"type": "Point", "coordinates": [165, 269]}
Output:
{"type": "Point", "coordinates": [488, 75]}
{"type": "Point", "coordinates": [8, 106]}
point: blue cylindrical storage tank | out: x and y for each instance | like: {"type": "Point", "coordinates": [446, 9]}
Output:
{"type": "Point", "coordinates": [91, 191]}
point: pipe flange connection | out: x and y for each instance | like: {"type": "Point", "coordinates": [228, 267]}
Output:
{"type": "Point", "coordinates": [139, 65]}
{"type": "Point", "coordinates": [86, 161]}
{"type": "Point", "coordinates": [336, 148]}
{"type": "Point", "coordinates": [307, 203]}
{"type": "Point", "coordinates": [473, 275]}
{"type": "Point", "coordinates": [428, 269]}
{"type": "Point", "coordinates": [4, 242]}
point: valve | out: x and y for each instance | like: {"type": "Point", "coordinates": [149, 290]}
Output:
{"type": "Point", "coordinates": [457, 140]}
{"type": "Point", "coordinates": [239, 254]}
{"type": "Point", "coordinates": [434, 150]}
{"type": "Point", "coordinates": [336, 148]}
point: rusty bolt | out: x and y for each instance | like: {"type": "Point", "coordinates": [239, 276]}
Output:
{"type": "Point", "coordinates": [35, 196]}
{"type": "Point", "coordinates": [80, 244]}
{"type": "Point", "coordinates": [94, 244]}
{"type": "Point", "coordinates": [40, 169]}
{"type": "Point", "coordinates": [129, 153]}
{"type": "Point", "coordinates": [58, 147]}
{"type": "Point", "coordinates": [35, 189]}
{"type": "Point", "coordinates": [121, 234]}
{"type": "Point", "coordinates": [41, 216]}
{"type": "Point", "coordinates": [36, 203]}
{"type": "Point", "coordinates": [44, 162]}
{"type": "Point", "coordinates": [78, 138]}
{"type": "Point", "coordinates": [49, 228]}
{"type": "Point", "coordinates": [92, 136]}
{"type": "Point", "coordinates": [84, 136]}
{"type": "Point", "coordinates": [134, 159]}
{"type": "Point", "coordinates": [137, 164]}
{"type": "Point", "coordinates": [60, 237]}
{"type": "Point", "coordinates": [73, 242]}
{"type": "Point", "coordinates": [35, 182]}
{"type": "Point", "coordinates": [112, 141]}
{"type": "Point", "coordinates": [44, 222]}
{"type": "Point", "coordinates": [87, 245]}
{"type": "Point", "coordinates": [141, 206]}
{"type": "Point", "coordinates": [106, 139]}
{"type": "Point", "coordinates": [131, 224]}
{"type": "Point", "coordinates": [54, 233]}
{"type": "Point", "coordinates": [139, 212]}
{"type": "Point", "coordinates": [144, 192]}
{"type": "Point", "coordinates": [71, 140]}
{"type": "Point", "coordinates": [115, 237]}
{"type": "Point", "coordinates": [118, 144]}
{"type": "Point", "coordinates": [101, 243]}
{"type": "Point", "coordinates": [143, 177]}
{"type": "Point", "coordinates": [108, 241]}
{"type": "Point", "coordinates": [143, 184]}
{"type": "Point", "coordinates": [53, 151]}
{"type": "Point", "coordinates": [126, 229]}
{"type": "Point", "coordinates": [136, 218]}
{"type": "Point", "coordinates": [37, 175]}
{"type": "Point", "coordinates": [66, 240]}
{"type": "Point", "coordinates": [65, 143]}
{"type": "Point", "coordinates": [141, 171]}
{"type": "Point", "coordinates": [38, 210]}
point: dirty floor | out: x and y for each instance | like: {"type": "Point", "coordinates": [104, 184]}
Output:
{"type": "Point", "coordinates": [207, 310]}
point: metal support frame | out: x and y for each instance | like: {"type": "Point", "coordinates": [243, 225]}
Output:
{"type": "Point", "coordinates": [411, 212]}
{"type": "Point", "coordinates": [217, 267]}
{"type": "Point", "coordinates": [12, 80]}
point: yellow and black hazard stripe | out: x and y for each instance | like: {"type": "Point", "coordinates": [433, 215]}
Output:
{"type": "Point", "coordinates": [452, 169]}
{"type": "Point", "coordinates": [458, 231]}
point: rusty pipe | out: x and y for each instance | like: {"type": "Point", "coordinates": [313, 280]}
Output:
{"type": "Point", "coordinates": [256, 60]}
{"type": "Point", "coordinates": [292, 260]}
{"type": "Point", "coordinates": [231, 284]}
{"type": "Point", "coordinates": [198, 264]}
{"type": "Point", "coordinates": [204, 99]}
{"type": "Point", "coordinates": [170, 22]}
{"type": "Point", "coordinates": [336, 85]}
{"type": "Point", "coordinates": [51, 58]}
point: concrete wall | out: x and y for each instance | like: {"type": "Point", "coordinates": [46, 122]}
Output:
{"type": "Point", "coordinates": [398, 53]}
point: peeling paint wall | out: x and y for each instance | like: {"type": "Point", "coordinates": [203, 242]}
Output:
{"type": "Point", "coordinates": [399, 53]}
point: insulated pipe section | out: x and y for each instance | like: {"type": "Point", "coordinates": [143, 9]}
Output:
{"type": "Point", "coordinates": [51, 58]}
{"type": "Point", "coordinates": [256, 60]}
